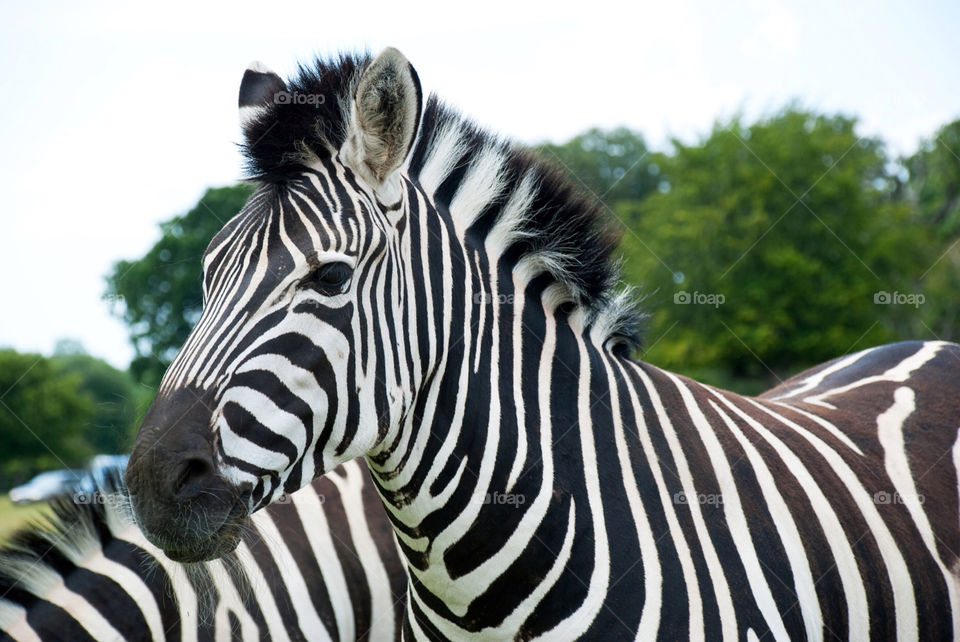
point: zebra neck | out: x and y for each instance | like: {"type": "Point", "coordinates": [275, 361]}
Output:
{"type": "Point", "coordinates": [500, 460]}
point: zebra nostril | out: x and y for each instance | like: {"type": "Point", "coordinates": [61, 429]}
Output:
{"type": "Point", "coordinates": [194, 474]}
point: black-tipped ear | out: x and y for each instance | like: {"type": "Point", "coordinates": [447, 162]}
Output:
{"type": "Point", "coordinates": [386, 115]}
{"type": "Point", "coordinates": [259, 88]}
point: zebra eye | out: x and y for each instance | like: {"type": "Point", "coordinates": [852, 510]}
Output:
{"type": "Point", "coordinates": [331, 277]}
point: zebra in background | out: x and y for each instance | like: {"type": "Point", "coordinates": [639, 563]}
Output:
{"type": "Point", "coordinates": [409, 288]}
{"type": "Point", "coordinates": [91, 575]}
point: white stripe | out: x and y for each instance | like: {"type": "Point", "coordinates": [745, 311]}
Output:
{"type": "Point", "coordinates": [261, 588]}
{"type": "Point", "coordinates": [677, 537]}
{"type": "Point", "coordinates": [816, 379]}
{"type": "Point", "coordinates": [898, 373]}
{"type": "Point", "coordinates": [134, 587]}
{"type": "Point", "coordinates": [728, 616]}
{"type": "Point", "coordinates": [577, 623]}
{"type": "Point", "coordinates": [733, 512]}
{"type": "Point", "coordinates": [652, 573]}
{"type": "Point", "coordinates": [482, 184]}
{"type": "Point", "coordinates": [446, 150]}
{"type": "Point", "coordinates": [520, 456]}
{"type": "Point", "coordinates": [890, 426]}
{"type": "Point", "coordinates": [230, 602]}
{"type": "Point", "coordinates": [382, 607]}
{"type": "Point", "coordinates": [13, 622]}
{"type": "Point", "coordinates": [786, 529]}
{"type": "Point", "coordinates": [85, 614]}
{"type": "Point", "coordinates": [509, 226]}
{"type": "Point", "coordinates": [293, 582]}
{"type": "Point", "coordinates": [481, 303]}
{"type": "Point", "coordinates": [829, 427]}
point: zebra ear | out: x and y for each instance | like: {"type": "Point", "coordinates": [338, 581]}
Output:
{"type": "Point", "coordinates": [386, 114]}
{"type": "Point", "coordinates": [258, 90]}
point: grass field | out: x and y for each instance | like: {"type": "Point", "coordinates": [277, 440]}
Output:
{"type": "Point", "coordinates": [12, 516]}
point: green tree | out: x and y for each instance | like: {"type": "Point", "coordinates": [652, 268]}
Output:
{"type": "Point", "coordinates": [117, 403]}
{"type": "Point", "coordinates": [42, 414]}
{"type": "Point", "coordinates": [765, 245]}
{"type": "Point", "coordinates": [159, 295]}
{"type": "Point", "coordinates": [616, 164]}
{"type": "Point", "coordinates": [933, 190]}
{"type": "Point", "coordinates": [934, 181]}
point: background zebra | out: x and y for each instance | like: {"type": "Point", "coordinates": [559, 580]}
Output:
{"type": "Point", "coordinates": [91, 575]}
{"type": "Point", "coordinates": [406, 287]}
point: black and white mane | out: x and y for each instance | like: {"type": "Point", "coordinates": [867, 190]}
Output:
{"type": "Point", "coordinates": [552, 226]}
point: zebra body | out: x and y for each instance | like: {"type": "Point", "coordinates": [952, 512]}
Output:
{"type": "Point", "coordinates": [91, 575]}
{"type": "Point", "coordinates": [407, 288]}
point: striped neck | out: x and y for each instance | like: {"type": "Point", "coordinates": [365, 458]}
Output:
{"type": "Point", "coordinates": [509, 364]}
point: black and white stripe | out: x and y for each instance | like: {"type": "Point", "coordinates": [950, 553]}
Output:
{"type": "Point", "coordinates": [540, 481]}
{"type": "Point", "coordinates": [91, 575]}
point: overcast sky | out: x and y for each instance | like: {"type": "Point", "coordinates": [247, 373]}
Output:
{"type": "Point", "coordinates": [115, 117]}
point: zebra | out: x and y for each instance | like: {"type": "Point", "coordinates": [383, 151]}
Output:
{"type": "Point", "coordinates": [406, 287]}
{"type": "Point", "coordinates": [91, 575]}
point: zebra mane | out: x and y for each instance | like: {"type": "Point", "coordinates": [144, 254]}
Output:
{"type": "Point", "coordinates": [37, 557]}
{"type": "Point", "coordinates": [34, 556]}
{"type": "Point", "coordinates": [499, 193]}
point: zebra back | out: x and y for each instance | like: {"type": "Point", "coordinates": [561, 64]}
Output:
{"type": "Point", "coordinates": [322, 564]}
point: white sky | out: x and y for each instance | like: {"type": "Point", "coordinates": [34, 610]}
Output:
{"type": "Point", "coordinates": [113, 118]}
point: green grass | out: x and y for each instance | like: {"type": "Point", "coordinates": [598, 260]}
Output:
{"type": "Point", "coordinates": [13, 516]}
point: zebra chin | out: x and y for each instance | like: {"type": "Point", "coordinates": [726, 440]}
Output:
{"type": "Point", "coordinates": [181, 502]}
{"type": "Point", "coordinates": [197, 545]}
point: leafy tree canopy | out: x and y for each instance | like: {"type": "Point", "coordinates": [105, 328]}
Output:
{"type": "Point", "coordinates": [160, 294]}
{"type": "Point", "coordinates": [59, 411]}
{"type": "Point", "coordinates": [934, 180]}
{"type": "Point", "coordinates": [615, 165]}
{"type": "Point", "coordinates": [765, 246]}
{"type": "Point", "coordinates": [42, 415]}
{"type": "Point", "coordinates": [933, 191]}
{"type": "Point", "coordinates": [118, 403]}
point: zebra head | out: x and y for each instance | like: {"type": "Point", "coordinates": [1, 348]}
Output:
{"type": "Point", "coordinates": [285, 375]}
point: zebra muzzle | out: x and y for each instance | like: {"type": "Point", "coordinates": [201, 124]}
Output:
{"type": "Point", "coordinates": [181, 502]}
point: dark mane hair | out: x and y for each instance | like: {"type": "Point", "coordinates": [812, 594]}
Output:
{"type": "Point", "coordinates": [44, 547]}
{"type": "Point", "coordinates": [279, 141]}
{"type": "Point", "coordinates": [48, 549]}
{"type": "Point", "coordinates": [564, 229]}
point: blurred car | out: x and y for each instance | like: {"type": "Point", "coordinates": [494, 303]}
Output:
{"type": "Point", "coordinates": [67, 482]}
{"type": "Point", "coordinates": [49, 484]}
{"type": "Point", "coordinates": [100, 464]}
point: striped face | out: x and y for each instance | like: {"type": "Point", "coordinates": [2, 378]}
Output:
{"type": "Point", "coordinates": [280, 379]}
{"type": "Point", "coordinates": [285, 374]}
{"type": "Point", "coordinates": [276, 349]}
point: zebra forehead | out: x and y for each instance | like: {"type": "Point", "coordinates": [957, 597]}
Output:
{"type": "Point", "coordinates": [287, 224]}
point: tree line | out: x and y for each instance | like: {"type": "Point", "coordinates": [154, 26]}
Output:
{"type": "Point", "coordinates": [58, 411]}
{"type": "Point", "coordinates": [760, 249]}
{"type": "Point", "coordinates": [767, 247]}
